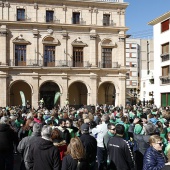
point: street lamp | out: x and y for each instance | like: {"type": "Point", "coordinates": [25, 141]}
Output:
{"type": "Point", "coordinates": [152, 99]}
{"type": "Point", "coordinates": [134, 92]}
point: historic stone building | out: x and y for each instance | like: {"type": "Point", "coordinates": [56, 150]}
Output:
{"type": "Point", "coordinates": [75, 47]}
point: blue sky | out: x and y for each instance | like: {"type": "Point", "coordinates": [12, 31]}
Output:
{"type": "Point", "coordinates": [140, 12]}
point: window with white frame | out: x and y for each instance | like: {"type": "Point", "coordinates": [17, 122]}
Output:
{"type": "Point", "coordinates": [134, 83]}
{"type": "Point", "coordinates": [127, 54]}
{"type": "Point", "coordinates": [128, 83]}
{"type": "Point", "coordinates": [133, 46]}
{"type": "Point", "coordinates": [134, 64]}
{"type": "Point", "coordinates": [133, 55]}
{"type": "Point", "coordinates": [127, 46]}
{"type": "Point", "coordinates": [134, 74]}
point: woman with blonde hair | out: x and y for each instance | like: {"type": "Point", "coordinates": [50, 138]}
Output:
{"type": "Point", "coordinates": [75, 156]}
{"type": "Point", "coordinates": [154, 157]}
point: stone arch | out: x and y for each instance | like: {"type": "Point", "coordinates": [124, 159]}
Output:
{"type": "Point", "coordinates": [15, 88]}
{"type": "Point", "coordinates": [107, 93]}
{"type": "Point", "coordinates": [50, 40]}
{"type": "Point", "coordinates": [78, 93]}
{"type": "Point", "coordinates": [107, 42]}
{"type": "Point", "coordinates": [47, 91]}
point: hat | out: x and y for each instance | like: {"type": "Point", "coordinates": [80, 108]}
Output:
{"type": "Point", "coordinates": [37, 127]}
{"type": "Point", "coordinates": [85, 127]}
{"type": "Point", "coordinates": [4, 119]}
{"type": "Point", "coordinates": [138, 129]}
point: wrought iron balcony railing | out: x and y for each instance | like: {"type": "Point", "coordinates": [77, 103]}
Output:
{"type": "Point", "coordinates": [108, 22]}
{"type": "Point", "coordinates": [78, 21]}
{"type": "Point", "coordinates": [22, 18]}
{"type": "Point", "coordinates": [108, 64]}
{"type": "Point", "coordinates": [53, 19]}
{"type": "Point", "coordinates": [165, 79]}
{"type": "Point", "coordinates": [165, 57]}
{"type": "Point", "coordinates": [49, 63]}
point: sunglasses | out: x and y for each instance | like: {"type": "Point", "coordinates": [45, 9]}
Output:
{"type": "Point", "coordinates": [160, 144]}
{"type": "Point", "coordinates": [113, 129]}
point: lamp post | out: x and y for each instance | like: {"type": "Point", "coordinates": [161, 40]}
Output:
{"type": "Point", "coordinates": [152, 99]}
{"type": "Point", "coordinates": [134, 92]}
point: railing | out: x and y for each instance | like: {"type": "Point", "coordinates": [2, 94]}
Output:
{"type": "Point", "coordinates": [78, 21]}
{"type": "Point", "coordinates": [47, 63]}
{"type": "Point", "coordinates": [108, 22]}
{"type": "Point", "coordinates": [165, 79]}
{"type": "Point", "coordinates": [165, 57]}
{"type": "Point", "coordinates": [108, 64]}
{"type": "Point", "coordinates": [52, 20]}
{"type": "Point", "coordinates": [25, 18]}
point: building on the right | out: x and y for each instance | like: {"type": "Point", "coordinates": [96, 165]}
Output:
{"type": "Point", "coordinates": [161, 38]}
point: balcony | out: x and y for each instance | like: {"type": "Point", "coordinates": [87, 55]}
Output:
{"type": "Point", "coordinates": [23, 18]}
{"type": "Point", "coordinates": [165, 57]}
{"type": "Point", "coordinates": [108, 64]}
{"type": "Point", "coordinates": [108, 23]}
{"type": "Point", "coordinates": [52, 63]}
{"type": "Point", "coordinates": [51, 20]}
{"type": "Point", "coordinates": [165, 79]}
{"type": "Point", "coordinates": [78, 21]}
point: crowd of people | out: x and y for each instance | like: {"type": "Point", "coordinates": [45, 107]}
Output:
{"type": "Point", "coordinates": [101, 137]}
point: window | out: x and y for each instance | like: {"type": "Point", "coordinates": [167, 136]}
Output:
{"type": "Point", "coordinates": [76, 18]}
{"type": "Point", "coordinates": [49, 16]}
{"type": "Point", "coordinates": [78, 57]}
{"type": "Point", "coordinates": [106, 57]}
{"type": "Point", "coordinates": [165, 71]}
{"type": "Point", "coordinates": [20, 55]}
{"type": "Point", "coordinates": [127, 64]}
{"type": "Point", "coordinates": [134, 74]}
{"type": "Point", "coordinates": [133, 55]}
{"type": "Point", "coordinates": [128, 83]}
{"type": "Point", "coordinates": [165, 25]}
{"type": "Point", "coordinates": [165, 48]}
{"type": "Point", "coordinates": [165, 99]}
{"type": "Point", "coordinates": [127, 54]}
{"type": "Point", "coordinates": [49, 56]}
{"type": "Point", "coordinates": [133, 46]}
{"type": "Point", "coordinates": [134, 83]}
{"type": "Point", "coordinates": [143, 84]}
{"type": "Point", "coordinates": [20, 14]}
{"type": "Point", "coordinates": [127, 46]}
{"type": "Point", "coordinates": [106, 19]}
{"type": "Point", "coordinates": [133, 64]}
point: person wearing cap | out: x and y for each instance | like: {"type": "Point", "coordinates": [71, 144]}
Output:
{"type": "Point", "coordinates": [90, 145]}
{"type": "Point", "coordinates": [25, 143]}
{"type": "Point", "coordinates": [42, 154]}
{"type": "Point", "coordinates": [7, 138]}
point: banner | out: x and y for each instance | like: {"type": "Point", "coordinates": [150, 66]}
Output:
{"type": "Point", "coordinates": [57, 95]}
{"type": "Point", "coordinates": [22, 98]}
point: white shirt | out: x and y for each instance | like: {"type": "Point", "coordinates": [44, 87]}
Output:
{"type": "Point", "coordinates": [100, 130]}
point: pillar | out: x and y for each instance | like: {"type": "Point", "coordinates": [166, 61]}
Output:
{"type": "Point", "coordinates": [93, 50]}
{"type": "Point", "coordinates": [3, 46]}
{"type": "Point", "coordinates": [35, 92]}
{"type": "Point", "coordinates": [64, 93]}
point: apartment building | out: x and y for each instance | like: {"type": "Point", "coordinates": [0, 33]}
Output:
{"type": "Point", "coordinates": [161, 73]}
{"type": "Point", "coordinates": [76, 48]}
{"type": "Point", "coordinates": [139, 60]}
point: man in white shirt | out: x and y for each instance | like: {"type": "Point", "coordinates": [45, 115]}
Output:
{"type": "Point", "coordinates": [101, 130]}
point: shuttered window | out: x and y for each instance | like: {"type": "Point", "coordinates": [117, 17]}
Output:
{"type": "Point", "coordinates": [165, 71]}
{"type": "Point", "coordinates": [165, 26]}
{"type": "Point", "coordinates": [163, 99]}
{"type": "Point", "coordinates": [165, 48]}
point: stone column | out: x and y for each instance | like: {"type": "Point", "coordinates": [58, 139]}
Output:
{"type": "Point", "coordinates": [64, 94]}
{"type": "Point", "coordinates": [93, 50]}
{"type": "Point", "coordinates": [35, 93]}
{"type": "Point", "coordinates": [3, 46]}
{"type": "Point", "coordinates": [1, 9]}
{"type": "Point", "coordinates": [93, 93]}
{"type": "Point", "coordinates": [6, 11]}
{"type": "Point", "coordinates": [3, 89]}
{"type": "Point", "coordinates": [64, 52]}
{"type": "Point", "coordinates": [122, 89]}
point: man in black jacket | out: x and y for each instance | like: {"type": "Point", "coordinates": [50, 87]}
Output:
{"type": "Point", "coordinates": [7, 138]}
{"type": "Point", "coordinates": [43, 155]}
{"type": "Point", "coordinates": [90, 145]}
{"type": "Point", "coordinates": [120, 155]}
